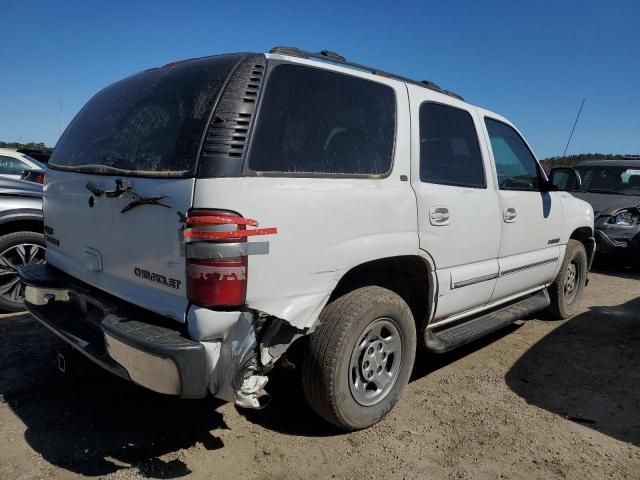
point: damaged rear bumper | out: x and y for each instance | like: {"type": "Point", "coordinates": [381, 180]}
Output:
{"type": "Point", "coordinates": [148, 349]}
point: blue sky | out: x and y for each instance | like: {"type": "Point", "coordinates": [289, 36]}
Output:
{"type": "Point", "coordinates": [530, 61]}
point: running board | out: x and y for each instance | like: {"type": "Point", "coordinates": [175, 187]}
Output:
{"type": "Point", "coordinates": [446, 338]}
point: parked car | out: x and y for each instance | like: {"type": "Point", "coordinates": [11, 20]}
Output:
{"type": "Point", "coordinates": [21, 237]}
{"type": "Point", "coordinates": [612, 187]}
{"type": "Point", "coordinates": [205, 216]}
{"type": "Point", "coordinates": [14, 163]}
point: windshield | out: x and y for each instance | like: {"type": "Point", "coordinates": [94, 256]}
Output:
{"type": "Point", "coordinates": [614, 180]}
{"type": "Point", "coordinates": [149, 124]}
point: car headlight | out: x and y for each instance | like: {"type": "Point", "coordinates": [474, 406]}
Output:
{"type": "Point", "coordinates": [625, 219]}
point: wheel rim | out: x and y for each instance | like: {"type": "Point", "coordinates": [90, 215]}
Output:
{"type": "Point", "coordinates": [11, 260]}
{"type": "Point", "coordinates": [572, 281]}
{"type": "Point", "coordinates": [375, 362]}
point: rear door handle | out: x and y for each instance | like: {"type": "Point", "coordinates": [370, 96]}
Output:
{"type": "Point", "coordinates": [510, 214]}
{"type": "Point", "coordinates": [439, 216]}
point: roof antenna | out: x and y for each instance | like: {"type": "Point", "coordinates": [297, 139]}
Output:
{"type": "Point", "coordinates": [574, 127]}
{"type": "Point", "coordinates": [60, 120]}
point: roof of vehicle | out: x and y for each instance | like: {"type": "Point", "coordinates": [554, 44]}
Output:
{"type": "Point", "coordinates": [631, 162]}
{"type": "Point", "coordinates": [327, 57]}
{"type": "Point", "coordinates": [332, 57]}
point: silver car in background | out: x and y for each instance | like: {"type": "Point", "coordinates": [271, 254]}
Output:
{"type": "Point", "coordinates": [21, 236]}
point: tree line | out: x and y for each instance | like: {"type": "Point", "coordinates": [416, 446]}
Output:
{"type": "Point", "coordinates": [573, 160]}
{"type": "Point", "coordinates": [29, 145]}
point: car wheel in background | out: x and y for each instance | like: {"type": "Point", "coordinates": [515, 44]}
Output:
{"type": "Point", "coordinates": [16, 250]}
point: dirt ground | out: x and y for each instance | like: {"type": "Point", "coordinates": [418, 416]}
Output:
{"type": "Point", "coordinates": [541, 399]}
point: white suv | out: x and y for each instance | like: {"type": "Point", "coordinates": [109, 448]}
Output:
{"type": "Point", "coordinates": [392, 214]}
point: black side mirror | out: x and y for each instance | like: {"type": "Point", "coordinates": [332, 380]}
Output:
{"type": "Point", "coordinates": [565, 179]}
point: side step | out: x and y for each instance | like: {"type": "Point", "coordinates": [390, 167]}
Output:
{"type": "Point", "coordinates": [448, 337]}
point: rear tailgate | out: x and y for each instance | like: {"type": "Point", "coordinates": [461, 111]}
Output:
{"type": "Point", "coordinates": [131, 253]}
{"type": "Point", "coordinates": [121, 176]}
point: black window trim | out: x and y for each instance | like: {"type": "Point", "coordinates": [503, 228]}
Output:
{"type": "Point", "coordinates": [482, 158]}
{"type": "Point", "coordinates": [542, 178]}
{"type": "Point", "coordinates": [272, 64]}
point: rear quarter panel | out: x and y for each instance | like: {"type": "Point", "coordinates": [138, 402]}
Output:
{"type": "Point", "coordinates": [325, 227]}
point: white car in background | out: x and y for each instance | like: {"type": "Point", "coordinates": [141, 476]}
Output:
{"type": "Point", "coordinates": [13, 163]}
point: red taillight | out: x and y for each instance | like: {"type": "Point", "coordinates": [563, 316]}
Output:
{"type": "Point", "coordinates": [216, 277]}
{"type": "Point", "coordinates": [221, 283]}
{"type": "Point", "coordinates": [39, 178]}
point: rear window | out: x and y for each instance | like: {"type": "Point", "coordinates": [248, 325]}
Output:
{"type": "Point", "coordinates": [148, 124]}
{"type": "Point", "coordinates": [314, 121]}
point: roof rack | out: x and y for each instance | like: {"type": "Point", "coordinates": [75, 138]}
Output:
{"type": "Point", "coordinates": [332, 57]}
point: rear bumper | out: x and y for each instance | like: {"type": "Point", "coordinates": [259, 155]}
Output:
{"type": "Point", "coordinates": [130, 342]}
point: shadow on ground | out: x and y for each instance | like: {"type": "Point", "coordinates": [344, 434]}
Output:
{"type": "Point", "coordinates": [289, 414]}
{"type": "Point", "coordinates": [588, 369]}
{"type": "Point", "coordinates": [91, 422]}
{"type": "Point", "coordinates": [615, 267]}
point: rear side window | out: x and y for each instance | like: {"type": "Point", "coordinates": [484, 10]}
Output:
{"type": "Point", "coordinates": [11, 166]}
{"type": "Point", "coordinates": [314, 121]}
{"type": "Point", "coordinates": [449, 148]}
{"type": "Point", "coordinates": [516, 166]}
{"type": "Point", "coordinates": [148, 124]}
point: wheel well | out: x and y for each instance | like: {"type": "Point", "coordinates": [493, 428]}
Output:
{"type": "Point", "coordinates": [584, 236]}
{"type": "Point", "coordinates": [22, 225]}
{"type": "Point", "coordinates": [408, 276]}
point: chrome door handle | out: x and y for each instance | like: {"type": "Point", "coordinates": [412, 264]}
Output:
{"type": "Point", "coordinates": [439, 216]}
{"type": "Point", "coordinates": [510, 214]}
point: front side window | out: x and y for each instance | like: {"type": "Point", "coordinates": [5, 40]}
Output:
{"type": "Point", "coordinates": [11, 166]}
{"type": "Point", "coordinates": [449, 148]}
{"type": "Point", "coordinates": [314, 121]}
{"type": "Point", "coordinates": [516, 166]}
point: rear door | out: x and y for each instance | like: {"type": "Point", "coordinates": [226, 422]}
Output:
{"type": "Point", "coordinates": [122, 175]}
{"type": "Point", "coordinates": [531, 218]}
{"type": "Point", "coordinates": [458, 210]}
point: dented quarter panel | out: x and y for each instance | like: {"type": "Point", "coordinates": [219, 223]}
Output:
{"type": "Point", "coordinates": [320, 235]}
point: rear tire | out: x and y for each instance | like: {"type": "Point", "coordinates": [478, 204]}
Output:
{"type": "Point", "coordinates": [16, 250]}
{"type": "Point", "coordinates": [567, 289]}
{"type": "Point", "coordinates": [360, 357]}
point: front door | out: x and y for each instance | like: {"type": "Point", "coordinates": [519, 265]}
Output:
{"type": "Point", "coordinates": [458, 210]}
{"type": "Point", "coordinates": [531, 218]}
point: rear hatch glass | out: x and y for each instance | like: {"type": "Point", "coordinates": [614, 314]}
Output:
{"type": "Point", "coordinates": [122, 173]}
{"type": "Point", "coordinates": [149, 124]}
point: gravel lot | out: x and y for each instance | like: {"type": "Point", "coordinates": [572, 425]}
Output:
{"type": "Point", "coordinates": [542, 399]}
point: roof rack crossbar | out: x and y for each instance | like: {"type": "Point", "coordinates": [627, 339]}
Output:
{"type": "Point", "coordinates": [332, 57]}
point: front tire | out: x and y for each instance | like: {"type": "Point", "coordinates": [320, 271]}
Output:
{"type": "Point", "coordinates": [360, 357]}
{"type": "Point", "coordinates": [16, 250]}
{"type": "Point", "coordinates": [567, 289]}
